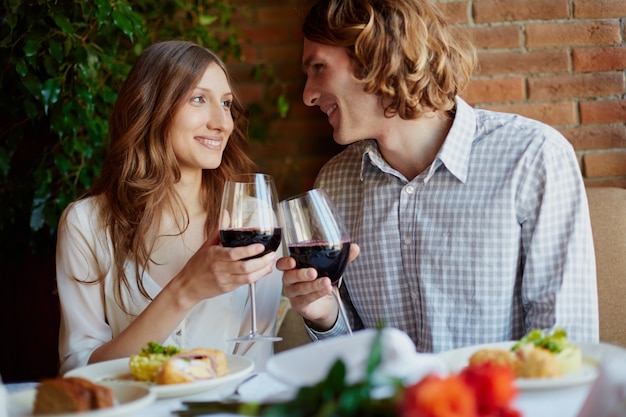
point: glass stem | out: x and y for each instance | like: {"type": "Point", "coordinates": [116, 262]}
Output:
{"type": "Point", "coordinates": [342, 310]}
{"type": "Point", "coordinates": [252, 289]}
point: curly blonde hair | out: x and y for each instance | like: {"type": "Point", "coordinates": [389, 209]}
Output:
{"type": "Point", "coordinates": [140, 169]}
{"type": "Point", "coordinates": [403, 51]}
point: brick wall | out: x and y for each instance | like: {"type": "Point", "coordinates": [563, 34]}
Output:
{"type": "Point", "coordinates": [559, 61]}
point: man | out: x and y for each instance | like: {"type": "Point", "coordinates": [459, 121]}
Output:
{"type": "Point", "coordinates": [473, 226]}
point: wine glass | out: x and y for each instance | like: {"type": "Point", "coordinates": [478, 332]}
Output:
{"type": "Point", "coordinates": [249, 215]}
{"type": "Point", "coordinates": [316, 237]}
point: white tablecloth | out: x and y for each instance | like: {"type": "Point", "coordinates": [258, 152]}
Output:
{"type": "Point", "coordinates": [565, 402]}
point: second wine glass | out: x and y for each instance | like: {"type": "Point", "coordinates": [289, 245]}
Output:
{"type": "Point", "coordinates": [249, 215]}
{"type": "Point", "coordinates": [316, 237]}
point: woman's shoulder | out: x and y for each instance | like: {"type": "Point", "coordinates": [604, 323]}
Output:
{"type": "Point", "coordinates": [82, 211]}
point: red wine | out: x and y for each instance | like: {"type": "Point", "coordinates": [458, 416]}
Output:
{"type": "Point", "coordinates": [329, 260]}
{"type": "Point", "coordinates": [233, 238]}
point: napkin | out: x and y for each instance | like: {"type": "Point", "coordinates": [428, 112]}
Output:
{"type": "Point", "coordinates": [607, 397]}
{"type": "Point", "coordinates": [310, 363]}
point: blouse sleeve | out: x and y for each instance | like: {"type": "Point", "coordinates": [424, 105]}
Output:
{"type": "Point", "coordinates": [79, 268]}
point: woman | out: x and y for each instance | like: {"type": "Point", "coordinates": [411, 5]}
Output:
{"type": "Point", "coordinates": [138, 259]}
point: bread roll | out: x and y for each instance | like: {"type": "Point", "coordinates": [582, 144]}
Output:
{"type": "Point", "coordinates": [66, 395]}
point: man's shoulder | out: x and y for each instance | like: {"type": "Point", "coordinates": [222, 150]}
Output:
{"type": "Point", "coordinates": [349, 159]}
{"type": "Point", "coordinates": [518, 128]}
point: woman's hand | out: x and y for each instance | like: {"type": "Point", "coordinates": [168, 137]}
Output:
{"type": "Point", "coordinates": [310, 296]}
{"type": "Point", "coordinates": [214, 270]}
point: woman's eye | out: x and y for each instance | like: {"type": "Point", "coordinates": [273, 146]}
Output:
{"type": "Point", "coordinates": [227, 103]}
{"type": "Point", "coordinates": [198, 99]}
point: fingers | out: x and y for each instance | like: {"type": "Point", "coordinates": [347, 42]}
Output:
{"type": "Point", "coordinates": [355, 251]}
{"type": "Point", "coordinates": [243, 252]}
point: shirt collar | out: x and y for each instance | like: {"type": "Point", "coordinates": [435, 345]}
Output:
{"type": "Point", "coordinates": [454, 153]}
{"type": "Point", "coordinates": [456, 149]}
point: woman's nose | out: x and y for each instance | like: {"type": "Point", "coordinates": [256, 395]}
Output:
{"type": "Point", "coordinates": [219, 118]}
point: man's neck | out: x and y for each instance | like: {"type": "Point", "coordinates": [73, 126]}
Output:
{"type": "Point", "coordinates": [410, 146]}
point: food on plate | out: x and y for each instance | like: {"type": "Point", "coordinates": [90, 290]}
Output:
{"type": "Point", "coordinates": [71, 394]}
{"type": "Point", "coordinates": [536, 355]}
{"type": "Point", "coordinates": [193, 365]}
{"type": "Point", "coordinates": [170, 365]}
{"type": "Point", "coordinates": [145, 364]}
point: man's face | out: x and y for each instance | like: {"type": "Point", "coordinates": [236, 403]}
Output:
{"type": "Point", "coordinates": [353, 113]}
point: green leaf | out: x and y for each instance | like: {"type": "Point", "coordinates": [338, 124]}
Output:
{"type": "Point", "coordinates": [103, 9]}
{"type": "Point", "coordinates": [31, 46]}
{"type": "Point", "coordinates": [282, 103]}
{"type": "Point", "coordinates": [50, 92]}
{"type": "Point", "coordinates": [64, 24]}
{"type": "Point", "coordinates": [206, 20]}
{"type": "Point", "coordinates": [21, 67]}
{"type": "Point", "coordinates": [5, 162]}
{"type": "Point", "coordinates": [56, 50]}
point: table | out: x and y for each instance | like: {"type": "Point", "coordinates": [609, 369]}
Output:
{"type": "Point", "coordinates": [565, 402]}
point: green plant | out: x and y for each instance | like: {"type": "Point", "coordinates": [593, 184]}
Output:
{"type": "Point", "coordinates": [62, 63]}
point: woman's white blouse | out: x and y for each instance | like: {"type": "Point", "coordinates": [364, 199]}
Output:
{"type": "Point", "coordinates": [90, 316]}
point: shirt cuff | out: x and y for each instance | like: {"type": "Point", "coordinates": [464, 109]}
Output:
{"type": "Point", "coordinates": [338, 329]}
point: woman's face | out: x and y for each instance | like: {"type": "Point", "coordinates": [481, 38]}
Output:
{"type": "Point", "coordinates": [203, 123]}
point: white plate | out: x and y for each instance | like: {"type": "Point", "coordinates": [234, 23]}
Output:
{"type": "Point", "coordinates": [308, 364]}
{"type": "Point", "coordinates": [592, 354]}
{"type": "Point", "coordinates": [118, 370]}
{"type": "Point", "coordinates": [129, 398]}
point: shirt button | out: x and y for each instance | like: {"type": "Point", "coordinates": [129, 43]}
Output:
{"type": "Point", "coordinates": [179, 332]}
{"type": "Point", "coordinates": [414, 295]}
{"type": "Point", "coordinates": [407, 240]}
{"type": "Point", "coordinates": [410, 189]}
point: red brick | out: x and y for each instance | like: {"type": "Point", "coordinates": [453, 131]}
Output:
{"type": "Point", "coordinates": [494, 90]}
{"type": "Point", "coordinates": [573, 34]}
{"type": "Point", "coordinates": [250, 53]}
{"type": "Point", "coordinates": [455, 12]}
{"type": "Point", "coordinates": [495, 37]}
{"type": "Point", "coordinates": [596, 136]}
{"type": "Point", "coordinates": [604, 164]}
{"type": "Point", "coordinates": [533, 62]}
{"type": "Point", "coordinates": [250, 93]}
{"type": "Point", "coordinates": [576, 86]}
{"type": "Point", "coordinates": [557, 113]}
{"type": "Point", "coordinates": [289, 15]}
{"type": "Point", "coordinates": [605, 111]}
{"type": "Point", "coordinates": [515, 10]}
{"type": "Point", "coordinates": [282, 53]}
{"type": "Point", "coordinates": [609, 58]}
{"type": "Point", "coordinates": [267, 34]}
{"type": "Point", "coordinates": [599, 9]}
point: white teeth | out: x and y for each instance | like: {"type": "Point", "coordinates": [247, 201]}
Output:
{"type": "Point", "coordinates": [210, 142]}
{"type": "Point", "coordinates": [330, 110]}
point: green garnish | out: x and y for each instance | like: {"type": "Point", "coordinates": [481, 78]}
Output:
{"type": "Point", "coordinates": [154, 347]}
{"type": "Point", "coordinates": [555, 342]}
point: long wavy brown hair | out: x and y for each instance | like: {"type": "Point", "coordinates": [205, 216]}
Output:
{"type": "Point", "coordinates": [140, 169]}
{"type": "Point", "coordinates": [403, 51]}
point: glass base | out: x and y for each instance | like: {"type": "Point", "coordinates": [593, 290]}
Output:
{"type": "Point", "coordinates": [256, 337]}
